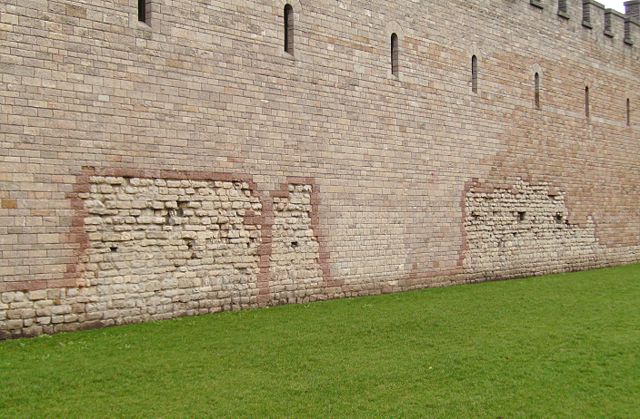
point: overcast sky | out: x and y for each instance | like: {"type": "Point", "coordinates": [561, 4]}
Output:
{"type": "Point", "coordinates": [614, 4]}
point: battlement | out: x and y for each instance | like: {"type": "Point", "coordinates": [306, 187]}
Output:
{"type": "Point", "coordinates": [610, 28]}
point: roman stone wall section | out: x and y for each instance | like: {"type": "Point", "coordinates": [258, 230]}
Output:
{"type": "Point", "coordinates": [524, 230]}
{"type": "Point", "coordinates": [155, 242]}
{"type": "Point", "coordinates": [296, 274]}
{"type": "Point", "coordinates": [527, 229]}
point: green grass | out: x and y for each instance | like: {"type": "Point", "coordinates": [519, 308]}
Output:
{"type": "Point", "coordinates": [561, 345]}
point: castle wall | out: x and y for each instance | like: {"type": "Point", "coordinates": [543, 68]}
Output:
{"type": "Point", "coordinates": [190, 165]}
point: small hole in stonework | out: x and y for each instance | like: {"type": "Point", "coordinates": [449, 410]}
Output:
{"type": "Point", "coordinates": [294, 244]}
{"type": "Point", "coordinates": [475, 215]}
{"type": "Point", "coordinates": [521, 216]}
{"type": "Point", "coordinates": [189, 243]}
{"type": "Point", "coordinates": [113, 249]}
{"type": "Point", "coordinates": [559, 218]}
{"type": "Point", "coordinates": [172, 214]}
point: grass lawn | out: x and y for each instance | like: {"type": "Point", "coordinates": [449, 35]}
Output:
{"type": "Point", "coordinates": [561, 345]}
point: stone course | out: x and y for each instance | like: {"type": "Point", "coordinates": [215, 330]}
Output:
{"type": "Point", "coordinates": [188, 164]}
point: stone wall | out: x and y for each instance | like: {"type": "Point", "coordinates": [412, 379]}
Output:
{"type": "Point", "coordinates": [188, 164]}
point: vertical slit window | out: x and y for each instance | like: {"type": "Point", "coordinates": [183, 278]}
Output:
{"type": "Point", "coordinates": [628, 112]}
{"type": "Point", "coordinates": [587, 103]}
{"type": "Point", "coordinates": [394, 55]}
{"type": "Point", "coordinates": [537, 90]}
{"type": "Point", "coordinates": [288, 29]}
{"type": "Point", "coordinates": [474, 74]}
{"type": "Point", "coordinates": [142, 11]}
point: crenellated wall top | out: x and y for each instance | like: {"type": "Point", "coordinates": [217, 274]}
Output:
{"type": "Point", "coordinates": [622, 28]}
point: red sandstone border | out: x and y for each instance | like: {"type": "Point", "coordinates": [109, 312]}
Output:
{"type": "Point", "coordinates": [264, 296]}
